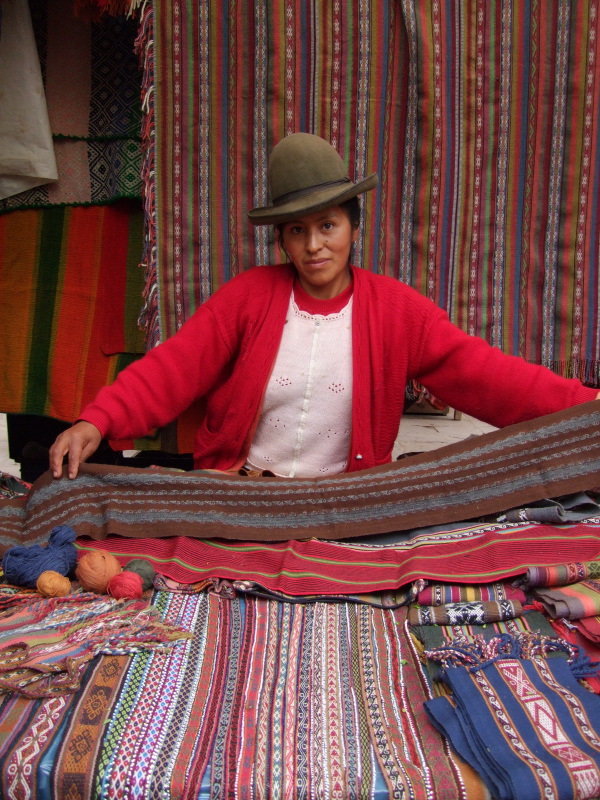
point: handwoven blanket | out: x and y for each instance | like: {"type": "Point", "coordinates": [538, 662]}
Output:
{"type": "Point", "coordinates": [92, 86]}
{"type": "Point", "coordinates": [562, 574]}
{"type": "Point", "coordinates": [486, 149]}
{"type": "Point", "coordinates": [475, 613]}
{"type": "Point", "coordinates": [267, 700]}
{"type": "Point", "coordinates": [440, 594]}
{"type": "Point", "coordinates": [554, 455]}
{"type": "Point", "coordinates": [70, 287]}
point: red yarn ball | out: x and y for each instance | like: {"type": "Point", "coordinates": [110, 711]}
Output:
{"type": "Point", "coordinates": [125, 585]}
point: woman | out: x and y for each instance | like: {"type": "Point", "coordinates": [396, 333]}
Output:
{"type": "Point", "coordinates": [302, 367]}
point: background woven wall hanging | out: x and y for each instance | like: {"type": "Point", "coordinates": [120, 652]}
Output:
{"type": "Point", "coordinates": [482, 118]}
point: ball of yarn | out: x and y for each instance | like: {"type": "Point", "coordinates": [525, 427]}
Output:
{"type": "Point", "coordinates": [23, 565]}
{"type": "Point", "coordinates": [95, 569]}
{"type": "Point", "coordinates": [144, 569]}
{"type": "Point", "coordinates": [53, 584]}
{"type": "Point", "coordinates": [125, 585]}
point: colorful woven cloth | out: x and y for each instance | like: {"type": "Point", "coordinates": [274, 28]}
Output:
{"type": "Point", "coordinates": [570, 602]}
{"type": "Point", "coordinates": [575, 633]}
{"type": "Point", "coordinates": [46, 645]}
{"type": "Point", "coordinates": [268, 699]}
{"type": "Point", "coordinates": [520, 718]}
{"type": "Point", "coordinates": [590, 627]}
{"type": "Point", "coordinates": [474, 613]}
{"type": "Point", "coordinates": [554, 454]}
{"type": "Point", "coordinates": [70, 287]}
{"type": "Point", "coordinates": [307, 567]}
{"type": "Point", "coordinates": [562, 574]}
{"type": "Point", "coordinates": [485, 149]}
{"type": "Point", "coordinates": [440, 594]}
{"type": "Point", "coordinates": [92, 86]}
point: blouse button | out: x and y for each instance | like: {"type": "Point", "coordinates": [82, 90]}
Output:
{"type": "Point", "coordinates": [358, 457]}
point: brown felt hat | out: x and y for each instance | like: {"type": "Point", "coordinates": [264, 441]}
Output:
{"type": "Point", "coordinates": [306, 174]}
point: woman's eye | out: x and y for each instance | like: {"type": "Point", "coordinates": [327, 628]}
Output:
{"type": "Point", "coordinates": [328, 226]}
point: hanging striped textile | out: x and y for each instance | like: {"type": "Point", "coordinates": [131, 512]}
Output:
{"type": "Point", "coordinates": [70, 287]}
{"type": "Point", "coordinates": [482, 118]}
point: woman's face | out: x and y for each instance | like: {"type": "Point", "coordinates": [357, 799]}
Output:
{"type": "Point", "coordinates": [318, 245]}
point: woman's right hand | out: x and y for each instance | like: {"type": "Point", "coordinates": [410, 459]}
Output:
{"type": "Point", "coordinates": [79, 443]}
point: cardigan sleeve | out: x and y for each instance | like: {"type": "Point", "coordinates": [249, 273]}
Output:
{"type": "Point", "coordinates": [472, 376]}
{"type": "Point", "coordinates": [153, 391]}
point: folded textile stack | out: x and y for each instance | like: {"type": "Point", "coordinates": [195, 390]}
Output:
{"type": "Point", "coordinates": [518, 715]}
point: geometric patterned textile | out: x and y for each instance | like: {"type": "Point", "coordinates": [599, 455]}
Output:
{"type": "Point", "coordinates": [482, 118]}
{"type": "Point", "coordinates": [92, 87]}
{"type": "Point", "coordinates": [521, 719]}
{"type": "Point", "coordinates": [266, 700]}
{"type": "Point", "coordinates": [474, 613]}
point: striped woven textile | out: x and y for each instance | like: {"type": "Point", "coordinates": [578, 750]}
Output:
{"type": "Point", "coordinates": [487, 150]}
{"type": "Point", "coordinates": [554, 455]}
{"type": "Point", "coordinates": [267, 700]}
{"type": "Point", "coordinates": [46, 644]}
{"type": "Point", "coordinates": [562, 574]}
{"type": "Point", "coordinates": [70, 288]}
{"type": "Point", "coordinates": [475, 554]}
{"type": "Point", "coordinates": [575, 601]}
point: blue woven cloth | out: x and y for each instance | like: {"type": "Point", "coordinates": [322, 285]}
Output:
{"type": "Point", "coordinates": [521, 719]}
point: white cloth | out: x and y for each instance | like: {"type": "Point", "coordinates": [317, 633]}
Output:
{"type": "Point", "coordinates": [26, 150]}
{"type": "Point", "coordinates": [306, 417]}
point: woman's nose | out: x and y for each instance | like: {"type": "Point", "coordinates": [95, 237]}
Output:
{"type": "Point", "coordinates": [313, 241]}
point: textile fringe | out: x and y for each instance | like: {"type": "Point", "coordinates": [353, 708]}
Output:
{"type": "Point", "coordinates": [144, 47]}
{"type": "Point", "coordinates": [479, 653]}
{"type": "Point", "coordinates": [585, 370]}
{"type": "Point", "coordinates": [45, 645]}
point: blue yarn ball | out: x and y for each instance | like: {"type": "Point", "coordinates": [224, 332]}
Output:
{"type": "Point", "coordinates": [23, 565]}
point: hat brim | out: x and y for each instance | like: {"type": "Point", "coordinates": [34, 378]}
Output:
{"type": "Point", "coordinates": [310, 202]}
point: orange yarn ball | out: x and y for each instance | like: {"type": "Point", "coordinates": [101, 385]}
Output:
{"type": "Point", "coordinates": [126, 585]}
{"type": "Point", "coordinates": [95, 569]}
{"type": "Point", "coordinates": [53, 584]}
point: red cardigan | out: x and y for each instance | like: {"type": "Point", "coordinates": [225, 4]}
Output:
{"type": "Point", "coordinates": [225, 352]}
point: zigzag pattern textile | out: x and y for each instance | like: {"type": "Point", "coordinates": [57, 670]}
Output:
{"type": "Point", "coordinates": [486, 148]}
{"type": "Point", "coordinates": [268, 699]}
